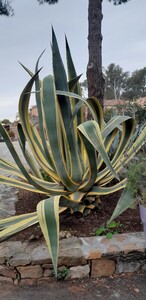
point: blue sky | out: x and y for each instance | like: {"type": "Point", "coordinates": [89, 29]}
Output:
{"type": "Point", "coordinates": [24, 36]}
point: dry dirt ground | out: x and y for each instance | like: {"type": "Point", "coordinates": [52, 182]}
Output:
{"type": "Point", "coordinates": [125, 287]}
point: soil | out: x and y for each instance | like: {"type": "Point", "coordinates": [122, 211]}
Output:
{"type": "Point", "coordinates": [76, 224]}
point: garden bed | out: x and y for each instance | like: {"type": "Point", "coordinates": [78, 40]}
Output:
{"type": "Point", "coordinates": [76, 224]}
{"type": "Point", "coordinates": [25, 259]}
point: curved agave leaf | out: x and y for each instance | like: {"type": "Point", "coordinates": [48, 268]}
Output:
{"type": "Point", "coordinates": [22, 224]}
{"type": "Point", "coordinates": [91, 131]}
{"type": "Point", "coordinates": [7, 222]}
{"type": "Point", "coordinates": [19, 184]}
{"type": "Point", "coordinates": [95, 104]}
{"type": "Point", "coordinates": [127, 156]}
{"type": "Point", "coordinates": [127, 131]}
{"type": "Point", "coordinates": [11, 168]}
{"type": "Point", "coordinates": [73, 82]}
{"type": "Point", "coordinates": [140, 141]}
{"type": "Point", "coordinates": [112, 124]}
{"type": "Point", "coordinates": [107, 143]}
{"type": "Point", "coordinates": [79, 104]}
{"type": "Point", "coordinates": [26, 69]}
{"type": "Point", "coordinates": [128, 128]}
{"type": "Point", "coordinates": [94, 107]}
{"type": "Point", "coordinates": [126, 200]}
{"type": "Point", "coordinates": [47, 187]}
{"type": "Point", "coordinates": [48, 215]}
{"type": "Point", "coordinates": [99, 190]}
{"type": "Point", "coordinates": [77, 196]}
{"type": "Point", "coordinates": [31, 162]}
{"type": "Point", "coordinates": [92, 163]}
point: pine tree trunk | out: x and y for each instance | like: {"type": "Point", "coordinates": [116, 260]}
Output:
{"type": "Point", "coordinates": [94, 69]}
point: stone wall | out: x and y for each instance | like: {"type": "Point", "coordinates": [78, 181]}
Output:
{"type": "Point", "coordinates": [30, 263]}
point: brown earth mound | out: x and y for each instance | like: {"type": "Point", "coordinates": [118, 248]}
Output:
{"type": "Point", "coordinates": [76, 224]}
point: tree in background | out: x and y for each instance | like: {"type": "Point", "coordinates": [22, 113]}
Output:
{"type": "Point", "coordinates": [5, 8]}
{"type": "Point", "coordinates": [136, 85]}
{"type": "Point", "coordinates": [5, 121]}
{"type": "Point", "coordinates": [84, 88]}
{"type": "Point", "coordinates": [94, 69]}
{"type": "Point", "coordinates": [95, 77]}
{"type": "Point", "coordinates": [115, 81]}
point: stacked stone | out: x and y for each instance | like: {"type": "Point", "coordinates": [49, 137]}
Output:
{"type": "Point", "coordinates": [30, 263]}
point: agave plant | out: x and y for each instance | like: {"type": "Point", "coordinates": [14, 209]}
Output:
{"type": "Point", "coordinates": [71, 151]}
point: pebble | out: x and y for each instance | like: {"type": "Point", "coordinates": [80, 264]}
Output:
{"type": "Point", "coordinates": [114, 296]}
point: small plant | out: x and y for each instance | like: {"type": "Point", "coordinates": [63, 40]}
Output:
{"type": "Point", "coordinates": [137, 180]}
{"type": "Point", "coordinates": [110, 230]}
{"type": "Point", "coordinates": [61, 274]}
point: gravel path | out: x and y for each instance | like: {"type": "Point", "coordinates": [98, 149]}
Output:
{"type": "Point", "coordinates": [5, 153]}
{"type": "Point", "coordinates": [8, 194]}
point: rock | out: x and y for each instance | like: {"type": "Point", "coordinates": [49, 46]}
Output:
{"type": "Point", "coordinates": [47, 273]}
{"type": "Point", "coordinates": [2, 260]}
{"type": "Point", "coordinates": [14, 253]}
{"type": "Point", "coordinates": [30, 271]}
{"type": "Point", "coordinates": [64, 234]}
{"type": "Point", "coordinates": [28, 281]}
{"type": "Point", "coordinates": [16, 281]}
{"type": "Point", "coordinates": [144, 267]}
{"type": "Point", "coordinates": [5, 280]}
{"type": "Point", "coordinates": [4, 252]}
{"type": "Point", "coordinates": [136, 290]}
{"type": "Point", "coordinates": [102, 267]}
{"type": "Point", "coordinates": [71, 253]}
{"type": "Point", "coordinates": [78, 272]}
{"type": "Point", "coordinates": [114, 296]}
{"type": "Point", "coordinates": [21, 259]}
{"type": "Point", "coordinates": [40, 255]}
{"type": "Point", "coordinates": [32, 238]}
{"type": "Point", "coordinates": [91, 247]}
{"type": "Point", "coordinates": [45, 280]}
{"type": "Point", "coordinates": [47, 266]}
{"type": "Point", "coordinates": [94, 255]}
{"type": "Point", "coordinates": [126, 267]}
{"type": "Point", "coordinates": [7, 272]}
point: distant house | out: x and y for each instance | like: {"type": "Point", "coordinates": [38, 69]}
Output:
{"type": "Point", "coordinates": [34, 115]}
{"type": "Point", "coordinates": [33, 111]}
{"type": "Point", "coordinates": [108, 104]}
{"type": "Point", "coordinates": [113, 103]}
{"type": "Point", "coordinates": [141, 101]}
{"type": "Point", "coordinates": [116, 103]}
{"type": "Point", "coordinates": [12, 130]}
{"type": "Point", "coordinates": [7, 127]}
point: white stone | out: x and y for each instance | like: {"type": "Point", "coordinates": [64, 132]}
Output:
{"type": "Point", "coordinates": [78, 272]}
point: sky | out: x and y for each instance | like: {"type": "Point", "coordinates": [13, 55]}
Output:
{"type": "Point", "coordinates": [24, 36]}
